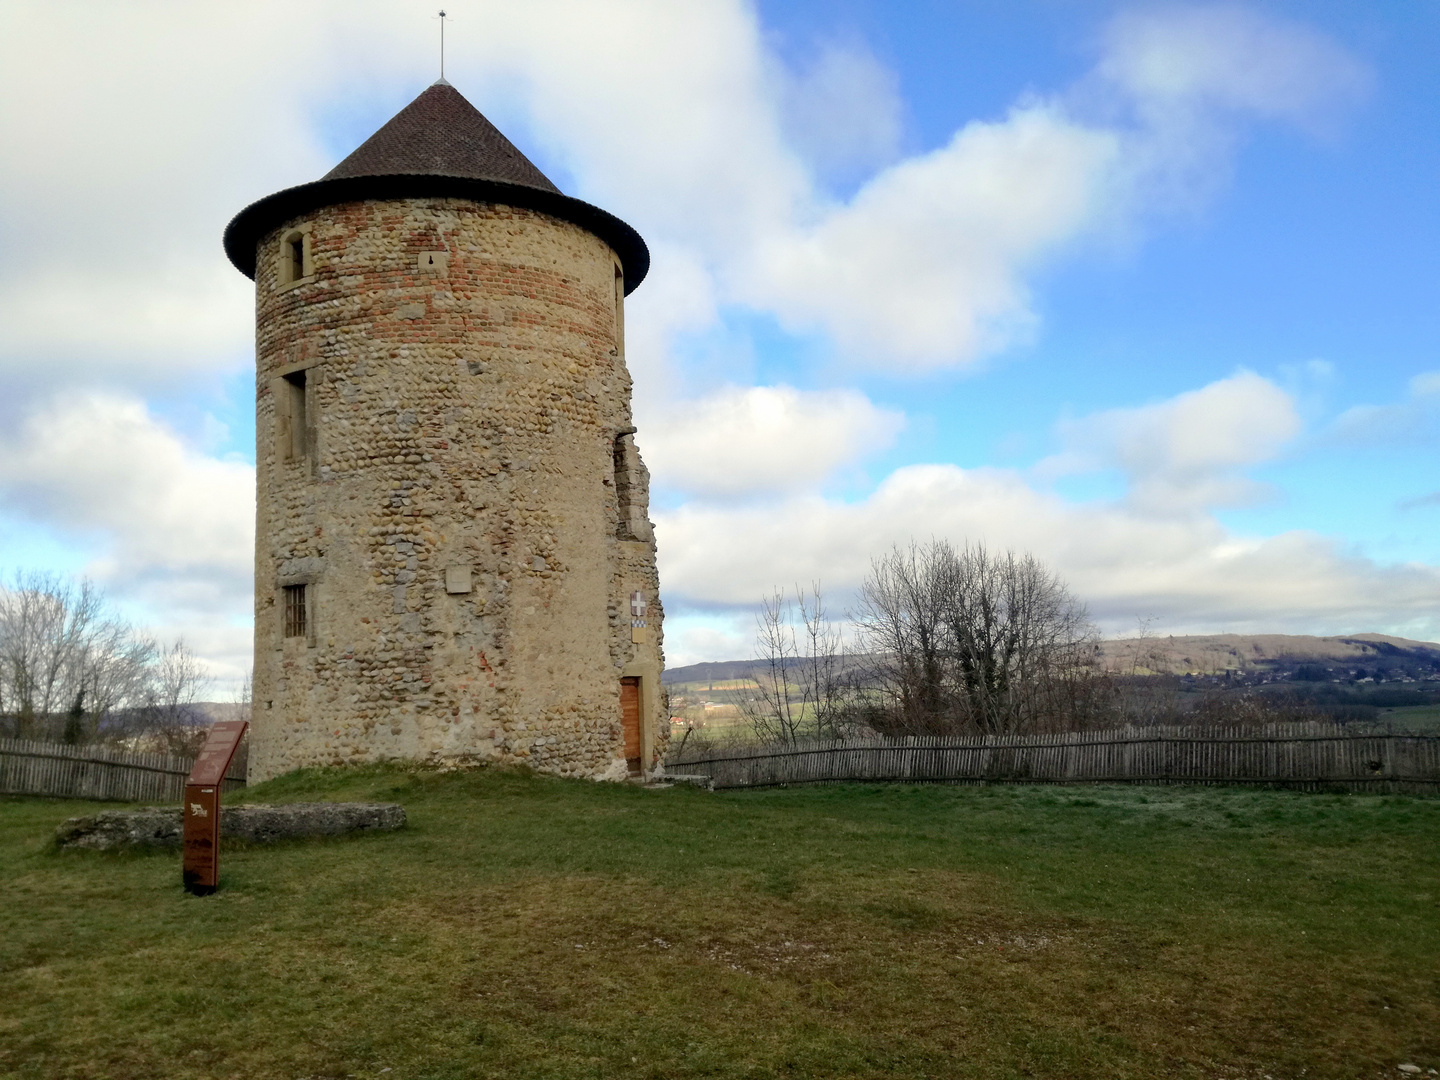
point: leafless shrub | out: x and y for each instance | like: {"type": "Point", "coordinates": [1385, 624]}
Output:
{"type": "Point", "coordinates": [1247, 708]}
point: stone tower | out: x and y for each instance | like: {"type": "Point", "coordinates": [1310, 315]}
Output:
{"type": "Point", "coordinates": [453, 556]}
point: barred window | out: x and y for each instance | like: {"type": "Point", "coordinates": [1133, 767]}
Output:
{"type": "Point", "coordinates": [296, 619]}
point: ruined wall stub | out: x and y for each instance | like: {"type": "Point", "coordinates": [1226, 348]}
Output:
{"type": "Point", "coordinates": [448, 479]}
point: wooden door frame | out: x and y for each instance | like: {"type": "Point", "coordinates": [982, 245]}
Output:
{"type": "Point", "coordinates": [649, 676]}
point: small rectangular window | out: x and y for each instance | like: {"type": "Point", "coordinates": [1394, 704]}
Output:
{"type": "Point", "coordinates": [297, 621]}
{"type": "Point", "coordinates": [295, 263]}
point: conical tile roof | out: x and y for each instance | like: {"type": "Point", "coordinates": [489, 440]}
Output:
{"type": "Point", "coordinates": [438, 145]}
{"type": "Point", "coordinates": [442, 134]}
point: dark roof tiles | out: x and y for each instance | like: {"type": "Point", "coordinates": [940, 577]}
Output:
{"type": "Point", "coordinates": [441, 134]}
{"type": "Point", "coordinates": [437, 146]}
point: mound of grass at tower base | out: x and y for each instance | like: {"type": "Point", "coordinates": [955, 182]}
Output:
{"type": "Point", "coordinates": [527, 926]}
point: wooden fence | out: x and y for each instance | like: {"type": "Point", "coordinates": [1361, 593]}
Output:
{"type": "Point", "coordinates": [93, 772]}
{"type": "Point", "coordinates": [1308, 756]}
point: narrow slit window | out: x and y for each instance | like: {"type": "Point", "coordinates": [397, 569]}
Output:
{"type": "Point", "coordinates": [622, 490]}
{"type": "Point", "coordinates": [619, 310]}
{"type": "Point", "coordinates": [297, 617]}
{"type": "Point", "coordinates": [297, 257]}
{"type": "Point", "coordinates": [295, 412]}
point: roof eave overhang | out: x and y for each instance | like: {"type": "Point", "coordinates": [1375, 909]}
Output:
{"type": "Point", "coordinates": [250, 226]}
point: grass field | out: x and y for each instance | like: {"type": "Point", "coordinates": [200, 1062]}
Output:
{"type": "Point", "coordinates": [531, 927]}
{"type": "Point", "coordinates": [1413, 717]}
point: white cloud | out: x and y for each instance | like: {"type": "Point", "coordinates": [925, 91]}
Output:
{"type": "Point", "coordinates": [1413, 420]}
{"type": "Point", "coordinates": [1174, 57]}
{"type": "Point", "coordinates": [1157, 551]}
{"type": "Point", "coordinates": [176, 528]}
{"type": "Point", "coordinates": [692, 636]}
{"type": "Point", "coordinates": [678, 299]}
{"type": "Point", "coordinates": [842, 111]}
{"type": "Point", "coordinates": [1190, 570]}
{"type": "Point", "coordinates": [666, 112]}
{"type": "Point", "coordinates": [132, 133]}
{"type": "Point", "coordinates": [926, 263]}
{"type": "Point", "coordinates": [1426, 384]}
{"type": "Point", "coordinates": [164, 119]}
{"type": "Point", "coordinates": [168, 120]}
{"type": "Point", "coordinates": [759, 439]}
{"type": "Point", "coordinates": [1185, 454]}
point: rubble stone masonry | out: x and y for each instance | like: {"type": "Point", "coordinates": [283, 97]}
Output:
{"type": "Point", "coordinates": [446, 465]}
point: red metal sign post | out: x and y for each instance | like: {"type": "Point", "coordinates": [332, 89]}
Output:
{"type": "Point", "coordinates": [201, 868]}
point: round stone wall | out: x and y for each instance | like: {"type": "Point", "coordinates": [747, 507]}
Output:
{"type": "Point", "coordinates": [451, 511]}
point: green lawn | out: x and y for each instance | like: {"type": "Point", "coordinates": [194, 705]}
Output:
{"type": "Point", "coordinates": [1424, 718]}
{"type": "Point", "coordinates": [526, 926]}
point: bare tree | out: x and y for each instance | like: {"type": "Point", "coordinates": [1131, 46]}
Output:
{"type": "Point", "coordinates": [48, 631]}
{"type": "Point", "coordinates": [69, 665]}
{"type": "Point", "coordinates": [170, 716]}
{"type": "Point", "coordinates": [800, 684]}
{"type": "Point", "coordinates": [968, 640]}
{"type": "Point", "coordinates": [902, 624]}
{"type": "Point", "coordinates": [1145, 687]}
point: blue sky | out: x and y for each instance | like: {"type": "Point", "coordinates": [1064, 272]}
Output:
{"type": "Point", "coordinates": [1148, 289]}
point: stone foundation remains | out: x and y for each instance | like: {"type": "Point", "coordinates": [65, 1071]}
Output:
{"type": "Point", "coordinates": [161, 827]}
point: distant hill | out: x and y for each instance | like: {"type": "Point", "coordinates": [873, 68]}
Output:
{"type": "Point", "coordinates": [1211, 654]}
{"type": "Point", "coordinates": [1318, 658]}
{"type": "Point", "coordinates": [712, 671]}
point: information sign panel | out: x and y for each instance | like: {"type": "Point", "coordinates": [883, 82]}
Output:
{"type": "Point", "coordinates": [201, 836]}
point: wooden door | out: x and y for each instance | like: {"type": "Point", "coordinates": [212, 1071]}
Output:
{"type": "Point", "coordinates": [630, 719]}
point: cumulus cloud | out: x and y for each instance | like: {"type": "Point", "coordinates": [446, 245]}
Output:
{"type": "Point", "coordinates": [926, 263]}
{"type": "Point", "coordinates": [751, 440]}
{"type": "Point", "coordinates": [1185, 454]}
{"type": "Point", "coordinates": [171, 522]}
{"type": "Point", "coordinates": [1157, 550]}
{"type": "Point", "coordinates": [169, 118]}
{"type": "Point", "coordinates": [1122, 562]}
{"type": "Point", "coordinates": [132, 134]}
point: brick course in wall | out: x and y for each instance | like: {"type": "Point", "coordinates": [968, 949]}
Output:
{"type": "Point", "coordinates": [464, 418]}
